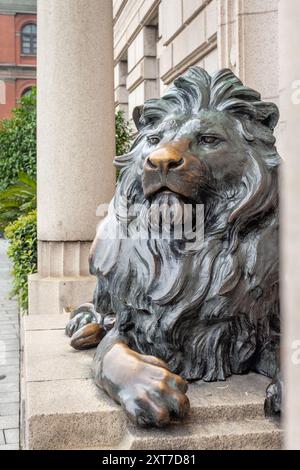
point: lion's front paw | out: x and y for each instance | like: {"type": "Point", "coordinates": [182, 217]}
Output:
{"type": "Point", "coordinates": [87, 337]}
{"type": "Point", "coordinates": [156, 397]}
{"type": "Point", "coordinates": [82, 316]}
{"type": "Point", "coordinates": [147, 390]}
{"type": "Point", "coordinates": [274, 396]}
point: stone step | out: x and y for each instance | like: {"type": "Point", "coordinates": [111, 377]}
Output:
{"type": "Point", "coordinates": [64, 408]}
{"type": "Point", "coordinates": [249, 434]}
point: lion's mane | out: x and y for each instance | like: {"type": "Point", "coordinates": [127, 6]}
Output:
{"type": "Point", "coordinates": [211, 312]}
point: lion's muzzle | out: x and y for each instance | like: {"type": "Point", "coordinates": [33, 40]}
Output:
{"type": "Point", "coordinates": [172, 167]}
{"type": "Point", "coordinates": [163, 164]}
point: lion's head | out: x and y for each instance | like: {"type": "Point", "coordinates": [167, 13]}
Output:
{"type": "Point", "coordinates": [208, 140]}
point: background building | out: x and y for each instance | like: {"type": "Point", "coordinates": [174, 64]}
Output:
{"type": "Point", "coordinates": [17, 51]}
{"type": "Point", "coordinates": [157, 40]}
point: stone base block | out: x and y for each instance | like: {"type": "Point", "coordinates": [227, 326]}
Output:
{"type": "Point", "coordinates": [65, 410]}
{"type": "Point", "coordinates": [52, 295]}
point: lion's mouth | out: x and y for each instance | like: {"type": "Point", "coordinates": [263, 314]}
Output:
{"type": "Point", "coordinates": [164, 190]}
{"type": "Point", "coordinates": [171, 212]}
{"type": "Point", "coordinates": [166, 193]}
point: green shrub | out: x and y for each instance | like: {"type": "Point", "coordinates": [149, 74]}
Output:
{"type": "Point", "coordinates": [18, 142]}
{"type": "Point", "coordinates": [22, 234]}
{"type": "Point", "coordinates": [123, 133]}
{"type": "Point", "coordinates": [17, 200]}
{"type": "Point", "coordinates": [18, 158]}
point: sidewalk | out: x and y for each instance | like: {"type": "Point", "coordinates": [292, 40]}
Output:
{"type": "Point", "coordinates": [9, 359]}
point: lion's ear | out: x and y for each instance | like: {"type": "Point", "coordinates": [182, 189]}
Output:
{"type": "Point", "coordinates": [268, 114]}
{"type": "Point", "coordinates": [136, 116]}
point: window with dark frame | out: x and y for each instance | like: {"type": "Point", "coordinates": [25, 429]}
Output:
{"type": "Point", "coordinates": [26, 91]}
{"type": "Point", "coordinates": [28, 39]}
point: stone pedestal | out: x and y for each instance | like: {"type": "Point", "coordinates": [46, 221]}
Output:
{"type": "Point", "coordinates": [76, 145]}
{"type": "Point", "coordinates": [65, 409]}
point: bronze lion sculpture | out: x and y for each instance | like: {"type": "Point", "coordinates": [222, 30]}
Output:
{"type": "Point", "coordinates": [165, 313]}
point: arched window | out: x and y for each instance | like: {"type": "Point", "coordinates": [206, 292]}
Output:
{"type": "Point", "coordinates": [28, 39]}
{"type": "Point", "coordinates": [26, 91]}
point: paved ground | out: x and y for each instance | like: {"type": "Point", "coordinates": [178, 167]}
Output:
{"type": "Point", "coordinates": [9, 359]}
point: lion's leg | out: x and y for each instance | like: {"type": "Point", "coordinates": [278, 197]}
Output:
{"type": "Point", "coordinates": [268, 364]}
{"type": "Point", "coordinates": [87, 326]}
{"type": "Point", "coordinates": [142, 385]}
{"type": "Point", "coordinates": [83, 315]}
{"type": "Point", "coordinates": [274, 391]}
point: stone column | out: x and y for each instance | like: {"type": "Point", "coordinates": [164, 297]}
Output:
{"type": "Point", "coordinates": [247, 43]}
{"type": "Point", "coordinates": [289, 144]}
{"type": "Point", "coordinates": [76, 142]}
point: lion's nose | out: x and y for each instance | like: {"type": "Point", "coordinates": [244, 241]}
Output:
{"type": "Point", "coordinates": [164, 158]}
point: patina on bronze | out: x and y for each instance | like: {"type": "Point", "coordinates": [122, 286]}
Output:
{"type": "Point", "coordinates": [166, 314]}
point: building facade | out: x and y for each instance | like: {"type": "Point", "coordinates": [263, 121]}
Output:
{"type": "Point", "coordinates": [157, 40]}
{"type": "Point", "coordinates": [18, 30]}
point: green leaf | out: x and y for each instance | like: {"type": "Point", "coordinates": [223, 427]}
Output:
{"type": "Point", "coordinates": [18, 142]}
{"type": "Point", "coordinates": [20, 198]}
{"type": "Point", "coordinates": [22, 235]}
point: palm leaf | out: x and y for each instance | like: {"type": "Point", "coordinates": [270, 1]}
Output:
{"type": "Point", "coordinates": [27, 180]}
{"type": "Point", "coordinates": [17, 200]}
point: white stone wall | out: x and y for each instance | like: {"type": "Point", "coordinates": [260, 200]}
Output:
{"type": "Point", "coordinates": [156, 40]}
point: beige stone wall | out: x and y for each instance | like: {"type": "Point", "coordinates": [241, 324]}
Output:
{"type": "Point", "coordinates": [156, 40]}
{"type": "Point", "coordinates": [248, 42]}
{"type": "Point", "coordinates": [289, 143]}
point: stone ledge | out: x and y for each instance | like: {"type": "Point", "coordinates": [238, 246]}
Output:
{"type": "Point", "coordinates": [249, 434]}
{"type": "Point", "coordinates": [65, 410]}
{"type": "Point", "coordinates": [52, 294]}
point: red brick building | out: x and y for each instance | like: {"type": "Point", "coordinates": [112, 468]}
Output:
{"type": "Point", "coordinates": [17, 51]}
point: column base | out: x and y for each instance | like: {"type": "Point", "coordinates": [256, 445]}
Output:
{"type": "Point", "coordinates": [52, 295]}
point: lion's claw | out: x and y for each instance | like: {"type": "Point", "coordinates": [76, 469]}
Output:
{"type": "Point", "coordinates": [82, 316]}
{"type": "Point", "coordinates": [79, 322]}
{"type": "Point", "coordinates": [89, 336]}
{"type": "Point", "coordinates": [155, 403]}
{"type": "Point", "coordinates": [274, 396]}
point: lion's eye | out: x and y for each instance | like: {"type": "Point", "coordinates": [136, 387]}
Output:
{"type": "Point", "coordinates": [207, 139]}
{"type": "Point", "coordinates": [153, 139]}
